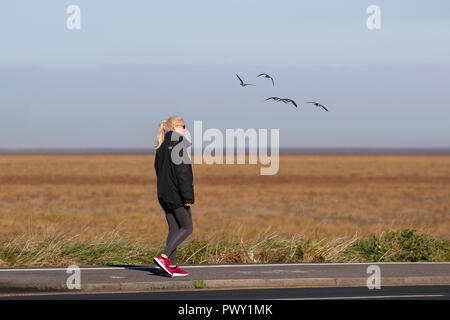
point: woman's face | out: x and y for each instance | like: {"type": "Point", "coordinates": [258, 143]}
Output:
{"type": "Point", "coordinates": [179, 127]}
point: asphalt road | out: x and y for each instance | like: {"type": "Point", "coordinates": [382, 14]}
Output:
{"type": "Point", "coordinates": [219, 277]}
{"type": "Point", "coordinates": [346, 293]}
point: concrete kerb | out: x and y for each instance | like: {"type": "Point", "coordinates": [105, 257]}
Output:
{"type": "Point", "coordinates": [324, 282]}
{"type": "Point", "coordinates": [229, 284]}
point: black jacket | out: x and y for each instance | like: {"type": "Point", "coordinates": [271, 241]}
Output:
{"type": "Point", "coordinates": [175, 179]}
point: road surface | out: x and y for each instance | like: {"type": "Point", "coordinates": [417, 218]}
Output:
{"type": "Point", "coordinates": [213, 277]}
{"type": "Point", "coordinates": [332, 293]}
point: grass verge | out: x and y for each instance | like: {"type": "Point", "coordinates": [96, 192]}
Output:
{"type": "Point", "coordinates": [113, 249]}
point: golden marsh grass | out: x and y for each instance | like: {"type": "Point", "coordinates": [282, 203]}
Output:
{"type": "Point", "coordinates": [315, 196]}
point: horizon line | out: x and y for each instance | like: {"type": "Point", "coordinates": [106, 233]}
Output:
{"type": "Point", "coordinates": [282, 150]}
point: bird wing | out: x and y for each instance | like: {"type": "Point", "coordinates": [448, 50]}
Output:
{"type": "Point", "coordinates": [272, 81]}
{"type": "Point", "coordinates": [324, 107]}
{"type": "Point", "coordinates": [293, 102]}
{"type": "Point", "coordinates": [262, 74]}
{"type": "Point", "coordinates": [240, 79]}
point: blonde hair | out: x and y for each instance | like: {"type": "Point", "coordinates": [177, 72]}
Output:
{"type": "Point", "coordinates": [166, 125]}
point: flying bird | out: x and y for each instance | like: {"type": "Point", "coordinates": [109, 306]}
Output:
{"type": "Point", "coordinates": [242, 82]}
{"type": "Point", "coordinates": [266, 76]}
{"type": "Point", "coordinates": [318, 105]}
{"type": "Point", "coordinates": [273, 98]}
{"type": "Point", "coordinates": [285, 100]}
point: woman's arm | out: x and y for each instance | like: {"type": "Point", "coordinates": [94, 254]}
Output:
{"type": "Point", "coordinates": [185, 177]}
{"type": "Point", "coordinates": [156, 163]}
{"type": "Point", "coordinates": [185, 181]}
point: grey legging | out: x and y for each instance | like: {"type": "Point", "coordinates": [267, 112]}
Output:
{"type": "Point", "coordinates": [180, 227]}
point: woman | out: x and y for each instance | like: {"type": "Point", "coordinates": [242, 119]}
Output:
{"type": "Point", "coordinates": [175, 188]}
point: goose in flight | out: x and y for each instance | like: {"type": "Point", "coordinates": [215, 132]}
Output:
{"type": "Point", "coordinates": [266, 76]}
{"type": "Point", "coordinates": [318, 105]}
{"type": "Point", "coordinates": [273, 98]}
{"type": "Point", "coordinates": [285, 100]}
{"type": "Point", "coordinates": [242, 82]}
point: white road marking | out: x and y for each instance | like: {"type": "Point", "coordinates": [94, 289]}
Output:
{"type": "Point", "coordinates": [63, 269]}
{"type": "Point", "coordinates": [278, 271]}
{"type": "Point", "coordinates": [368, 297]}
{"type": "Point", "coordinates": [245, 265]}
{"type": "Point", "coordinates": [146, 267]}
{"type": "Point", "coordinates": [223, 266]}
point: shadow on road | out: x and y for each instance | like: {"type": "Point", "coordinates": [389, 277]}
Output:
{"type": "Point", "coordinates": [152, 270]}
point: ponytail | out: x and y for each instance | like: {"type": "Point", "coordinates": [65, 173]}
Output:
{"type": "Point", "coordinates": [160, 136]}
{"type": "Point", "coordinates": [165, 125]}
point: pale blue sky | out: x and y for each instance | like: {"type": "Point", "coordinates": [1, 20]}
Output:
{"type": "Point", "coordinates": [135, 63]}
{"type": "Point", "coordinates": [282, 33]}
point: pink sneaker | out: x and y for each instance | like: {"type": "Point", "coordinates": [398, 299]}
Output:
{"type": "Point", "coordinates": [178, 272]}
{"type": "Point", "coordinates": [164, 264]}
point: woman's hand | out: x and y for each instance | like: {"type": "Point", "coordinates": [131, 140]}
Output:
{"type": "Point", "coordinates": [187, 204]}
